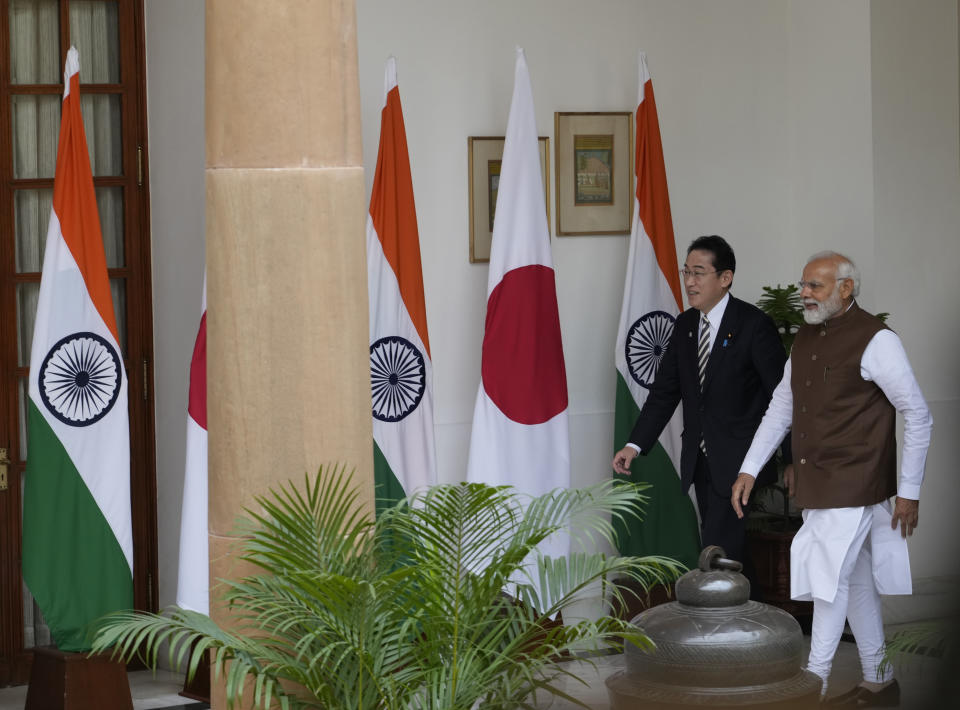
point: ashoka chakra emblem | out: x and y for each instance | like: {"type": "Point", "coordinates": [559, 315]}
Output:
{"type": "Point", "coordinates": [80, 379]}
{"type": "Point", "coordinates": [398, 377]}
{"type": "Point", "coordinates": [646, 343]}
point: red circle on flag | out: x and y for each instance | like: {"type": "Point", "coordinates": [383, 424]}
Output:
{"type": "Point", "coordinates": [522, 369]}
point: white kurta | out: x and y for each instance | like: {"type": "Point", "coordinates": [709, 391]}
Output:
{"type": "Point", "coordinates": [821, 544]}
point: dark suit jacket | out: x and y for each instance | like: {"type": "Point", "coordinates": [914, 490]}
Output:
{"type": "Point", "coordinates": [745, 366]}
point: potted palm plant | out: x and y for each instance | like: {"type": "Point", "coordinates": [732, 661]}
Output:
{"type": "Point", "coordinates": [936, 644]}
{"type": "Point", "coordinates": [772, 507]}
{"type": "Point", "coordinates": [440, 603]}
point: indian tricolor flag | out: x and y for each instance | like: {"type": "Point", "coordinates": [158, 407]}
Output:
{"type": "Point", "coordinates": [651, 303]}
{"type": "Point", "coordinates": [401, 372]}
{"type": "Point", "coordinates": [520, 432]}
{"type": "Point", "coordinates": [77, 536]}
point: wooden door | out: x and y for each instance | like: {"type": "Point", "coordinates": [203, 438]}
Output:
{"type": "Point", "coordinates": [34, 38]}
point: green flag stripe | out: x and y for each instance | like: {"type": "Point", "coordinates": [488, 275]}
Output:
{"type": "Point", "coordinates": [669, 525]}
{"type": "Point", "coordinates": [387, 488]}
{"type": "Point", "coordinates": [72, 562]}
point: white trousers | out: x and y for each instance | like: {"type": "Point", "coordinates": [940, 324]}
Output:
{"type": "Point", "coordinates": [856, 600]}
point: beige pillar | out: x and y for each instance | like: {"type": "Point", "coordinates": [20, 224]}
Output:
{"type": "Point", "coordinates": [288, 350]}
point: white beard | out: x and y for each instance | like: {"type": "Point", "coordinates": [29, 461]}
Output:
{"type": "Point", "coordinates": [825, 309]}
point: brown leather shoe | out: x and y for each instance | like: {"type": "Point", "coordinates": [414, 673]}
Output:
{"type": "Point", "coordinates": [860, 697]}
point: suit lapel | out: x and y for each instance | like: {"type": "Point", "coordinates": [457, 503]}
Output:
{"type": "Point", "coordinates": [725, 335]}
{"type": "Point", "coordinates": [687, 348]}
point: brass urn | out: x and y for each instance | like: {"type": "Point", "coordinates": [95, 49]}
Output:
{"type": "Point", "coordinates": [715, 648]}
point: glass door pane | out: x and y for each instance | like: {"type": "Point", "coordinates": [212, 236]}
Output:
{"type": "Point", "coordinates": [35, 42]}
{"type": "Point", "coordinates": [94, 32]}
{"type": "Point", "coordinates": [27, 294]}
{"type": "Point", "coordinates": [31, 216]}
{"type": "Point", "coordinates": [101, 124]}
{"type": "Point", "coordinates": [110, 207]}
{"type": "Point", "coordinates": [36, 128]}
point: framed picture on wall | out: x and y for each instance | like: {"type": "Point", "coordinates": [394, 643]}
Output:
{"type": "Point", "coordinates": [484, 155]}
{"type": "Point", "coordinates": [594, 164]}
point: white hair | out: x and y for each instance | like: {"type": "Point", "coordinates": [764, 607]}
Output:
{"type": "Point", "coordinates": [846, 269]}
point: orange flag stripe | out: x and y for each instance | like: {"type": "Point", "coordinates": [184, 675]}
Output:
{"type": "Point", "coordinates": [75, 204]}
{"type": "Point", "coordinates": [652, 192]}
{"type": "Point", "coordinates": [392, 195]}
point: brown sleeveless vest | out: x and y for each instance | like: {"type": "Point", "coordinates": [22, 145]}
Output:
{"type": "Point", "coordinates": [844, 437]}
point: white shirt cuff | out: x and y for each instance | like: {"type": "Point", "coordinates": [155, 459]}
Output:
{"type": "Point", "coordinates": [751, 468]}
{"type": "Point", "coordinates": [910, 491]}
{"type": "Point", "coordinates": [634, 447]}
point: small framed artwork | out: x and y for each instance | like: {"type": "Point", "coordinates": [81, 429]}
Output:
{"type": "Point", "coordinates": [484, 155]}
{"type": "Point", "coordinates": [594, 164]}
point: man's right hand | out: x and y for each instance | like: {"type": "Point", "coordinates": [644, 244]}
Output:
{"type": "Point", "coordinates": [741, 492]}
{"type": "Point", "coordinates": [622, 460]}
{"type": "Point", "coordinates": [788, 479]}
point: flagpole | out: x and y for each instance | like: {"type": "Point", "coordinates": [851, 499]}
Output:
{"type": "Point", "coordinates": [651, 303]}
{"type": "Point", "coordinates": [77, 549]}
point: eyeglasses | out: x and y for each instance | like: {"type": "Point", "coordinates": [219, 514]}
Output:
{"type": "Point", "coordinates": [816, 285]}
{"type": "Point", "coordinates": [696, 275]}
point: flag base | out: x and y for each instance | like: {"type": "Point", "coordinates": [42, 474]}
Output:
{"type": "Point", "coordinates": [198, 687]}
{"type": "Point", "coordinates": [76, 681]}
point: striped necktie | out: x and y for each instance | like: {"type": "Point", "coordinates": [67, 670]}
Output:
{"type": "Point", "coordinates": [703, 348]}
{"type": "Point", "coordinates": [703, 355]}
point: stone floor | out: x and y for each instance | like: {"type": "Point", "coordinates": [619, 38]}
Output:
{"type": "Point", "coordinates": [917, 676]}
{"type": "Point", "coordinates": [150, 691]}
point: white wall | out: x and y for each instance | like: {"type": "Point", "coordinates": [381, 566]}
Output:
{"type": "Point", "coordinates": [917, 242]}
{"type": "Point", "coordinates": [768, 112]}
{"type": "Point", "coordinates": [177, 202]}
{"type": "Point", "coordinates": [830, 178]}
{"type": "Point", "coordinates": [718, 73]}
{"type": "Point", "coordinates": [788, 126]}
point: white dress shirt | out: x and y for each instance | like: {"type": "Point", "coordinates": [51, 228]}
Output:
{"type": "Point", "coordinates": [714, 316]}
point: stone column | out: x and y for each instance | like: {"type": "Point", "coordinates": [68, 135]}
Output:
{"type": "Point", "coordinates": [288, 351]}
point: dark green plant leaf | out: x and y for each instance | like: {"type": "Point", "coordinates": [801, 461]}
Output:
{"type": "Point", "coordinates": [441, 603]}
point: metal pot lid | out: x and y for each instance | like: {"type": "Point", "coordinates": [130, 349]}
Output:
{"type": "Point", "coordinates": [716, 583]}
{"type": "Point", "coordinates": [713, 636]}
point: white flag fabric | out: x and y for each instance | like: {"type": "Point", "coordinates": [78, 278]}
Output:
{"type": "Point", "coordinates": [193, 577]}
{"type": "Point", "coordinates": [401, 370]}
{"type": "Point", "coordinates": [520, 432]}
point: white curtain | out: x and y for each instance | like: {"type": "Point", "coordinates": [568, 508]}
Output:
{"type": "Point", "coordinates": [35, 35]}
{"type": "Point", "coordinates": [35, 59]}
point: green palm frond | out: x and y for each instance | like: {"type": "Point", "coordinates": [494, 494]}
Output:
{"type": "Point", "coordinates": [186, 633]}
{"type": "Point", "coordinates": [324, 525]}
{"type": "Point", "coordinates": [571, 579]}
{"type": "Point", "coordinates": [784, 306]}
{"type": "Point", "coordinates": [409, 611]}
{"type": "Point", "coordinates": [940, 639]}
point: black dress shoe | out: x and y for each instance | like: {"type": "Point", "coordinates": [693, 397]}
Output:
{"type": "Point", "coordinates": [859, 697]}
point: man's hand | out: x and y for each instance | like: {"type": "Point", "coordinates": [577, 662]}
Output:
{"type": "Point", "coordinates": [788, 479]}
{"type": "Point", "coordinates": [907, 513]}
{"type": "Point", "coordinates": [741, 492]}
{"type": "Point", "coordinates": [622, 460]}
